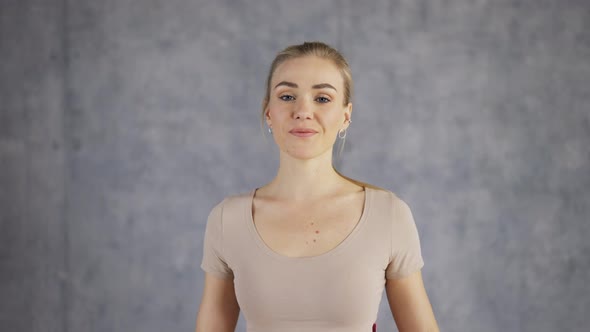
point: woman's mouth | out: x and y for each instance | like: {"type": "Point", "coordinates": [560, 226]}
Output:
{"type": "Point", "coordinates": [303, 132]}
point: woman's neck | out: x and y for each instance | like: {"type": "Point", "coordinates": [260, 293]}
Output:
{"type": "Point", "coordinates": [300, 180]}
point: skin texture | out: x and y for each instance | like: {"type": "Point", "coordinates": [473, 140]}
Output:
{"type": "Point", "coordinates": [308, 92]}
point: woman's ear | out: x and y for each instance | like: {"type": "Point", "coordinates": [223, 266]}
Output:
{"type": "Point", "coordinates": [347, 115]}
{"type": "Point", "coordinates": [265, 111]}
{"type": "Point", "coordinates": [267, 115]}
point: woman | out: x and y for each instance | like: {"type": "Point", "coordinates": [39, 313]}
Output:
{"type": "Point", "coordinates": [312, 250]}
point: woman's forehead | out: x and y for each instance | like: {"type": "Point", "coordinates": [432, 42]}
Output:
{"type": "Point", "coordinates": [309, 70]}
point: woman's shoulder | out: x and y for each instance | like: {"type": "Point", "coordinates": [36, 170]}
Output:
{"type": "Point", "coordinates": [380, 191]}
{"type": "Point", "coordinates": [383, 196]}
{"type": "Point", "coordinates": [232, 200]}
{"type": "Point", "coordinates": [239, 195]}
{"type": "Point", "coordinates": [363, 184]}
{"type": "Point", "coordinates": [390, 210]}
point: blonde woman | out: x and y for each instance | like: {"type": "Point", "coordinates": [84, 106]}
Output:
{"type": "Point", "coordinates": [312, 250]}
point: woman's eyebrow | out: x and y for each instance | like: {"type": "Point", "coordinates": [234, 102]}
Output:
{"type": "Point", "coordinates": [316, 86]}
{"type": "Point", "coordinates": [323, 86]}
{"type": "Point", "coordinates": [285, 83]}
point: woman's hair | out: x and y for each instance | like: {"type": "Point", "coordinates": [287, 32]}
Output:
{"type": "Point", "coordinates": [318, 49]}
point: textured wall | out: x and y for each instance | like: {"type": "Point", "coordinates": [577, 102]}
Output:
{"type": "Point", "coordinates": [123, 122]}
{"type": "Point", "coordinates": [32, 167]}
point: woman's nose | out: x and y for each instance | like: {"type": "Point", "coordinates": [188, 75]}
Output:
{"type": "Point", "coordinates": [303, 111]}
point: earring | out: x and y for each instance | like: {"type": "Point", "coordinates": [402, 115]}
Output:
{"type": "Point", "coordinates": [270, 130]}
{"type": "Point", "coordinates": [342, 133]}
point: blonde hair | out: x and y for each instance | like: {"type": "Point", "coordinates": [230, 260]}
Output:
{"type": "Point", "coordinates": [318, 49]}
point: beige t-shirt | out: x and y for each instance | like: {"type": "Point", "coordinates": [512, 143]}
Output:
{"type": "Point", "coordinates": [338, 291]}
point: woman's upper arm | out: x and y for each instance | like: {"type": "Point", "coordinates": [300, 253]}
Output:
{"type": "Point", "coordinates": [219, 309]}
{"type": "Point", "coordinates": [409, 304]}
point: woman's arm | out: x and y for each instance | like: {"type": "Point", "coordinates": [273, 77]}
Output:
{"type": "Point", "coordinates": [219, 309]}
{"type": "Point", "coordinates": [409, 304]}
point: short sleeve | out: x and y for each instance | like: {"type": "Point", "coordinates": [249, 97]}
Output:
{"type": "Point", "coordinates": [213, 259]}
{"type": "Point", "coordinates": [406, 255]}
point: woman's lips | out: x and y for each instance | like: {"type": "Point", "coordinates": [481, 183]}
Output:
{"type": "Point", "coordinates": [303, 132]}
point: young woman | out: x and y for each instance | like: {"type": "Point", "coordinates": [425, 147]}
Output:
{"type": "Point", "coordinates": [312, 250]}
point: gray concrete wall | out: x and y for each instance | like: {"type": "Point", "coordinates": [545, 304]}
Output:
{"type": "Point", "coordinates": [33, 291]}
{"type": "Point", "coordinates": [123, 122]}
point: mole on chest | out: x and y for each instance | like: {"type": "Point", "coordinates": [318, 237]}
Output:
{"type": "Point", "coordinates": [311, 232]}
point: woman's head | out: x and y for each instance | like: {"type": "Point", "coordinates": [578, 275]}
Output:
{"type": "Point", "coordinates": [317, 49]}
{"type": "Point", "coordinates": [308, 88]}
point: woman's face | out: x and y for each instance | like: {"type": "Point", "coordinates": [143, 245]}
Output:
{"type": "Point", "coordinates": [305, 108]}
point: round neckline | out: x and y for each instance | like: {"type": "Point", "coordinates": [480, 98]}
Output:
{"type": "Point", "coordinates": [343, 244]}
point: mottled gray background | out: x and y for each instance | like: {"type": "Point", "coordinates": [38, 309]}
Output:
{"type": "Point", "coordinates": [123, 122]}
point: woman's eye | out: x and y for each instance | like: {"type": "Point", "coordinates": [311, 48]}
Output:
{"type": "Point", "coordinates": [322, 99]}
{"type": "Point", "coordinates": [287, 98]}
